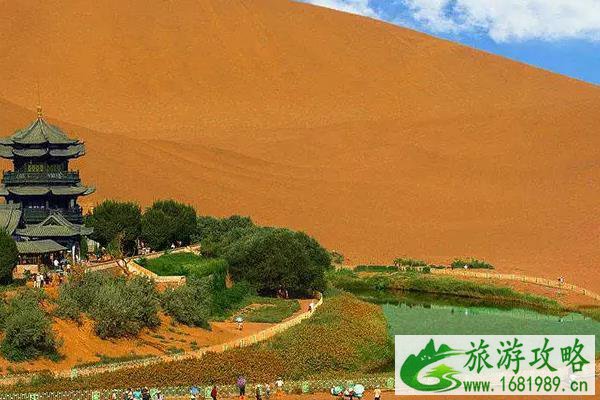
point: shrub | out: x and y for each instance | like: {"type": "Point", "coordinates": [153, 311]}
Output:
{"type": "Point", "coordinates": [167, 222]}
{"type": "Point", "coordinates": [112, 218]}
{"type": "Point", "coordinates": [270, 259]}
{"type": "Point", "coordinates": [409, 262]}
{"type": "Point", "coordinates": [9, 256]}
{"type": "Point", "coordinates": [471, 263]}
{"type": "Point", "coordinates": [118, 307]}
{"type": "Point", "coordinates": [189, 304]}
{"type": "Point", "coordinates": [27, 329]}
{"type": "Point", "coordinates": [376, 268]}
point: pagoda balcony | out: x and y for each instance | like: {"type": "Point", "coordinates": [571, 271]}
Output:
{"type": "Point", "coordinates": [67, 178]}
{"type": "Point", "coordinates": [37, 215]}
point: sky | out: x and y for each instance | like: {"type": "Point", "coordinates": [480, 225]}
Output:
{"type": "Point", "coordinates": [558, 35]}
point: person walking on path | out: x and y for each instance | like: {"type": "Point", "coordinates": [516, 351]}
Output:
{"type": "Point", "coordinates": [279, 386]}
{"type": "Point", "coordinates": [267, 391]}
{"type": "Point", "coordinates": [258, 392]}
{"type": "Point", "coordinates": [214, 393]}
{"type": "Point", "coordinates": [377, 393]}
{"type": "Point", "coordinates": [241, 384]}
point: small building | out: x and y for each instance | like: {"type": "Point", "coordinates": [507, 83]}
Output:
{"type": "Point", "coordinates": [41, 193]}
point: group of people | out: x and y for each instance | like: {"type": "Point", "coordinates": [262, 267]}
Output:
{"type": "Point", "coordinates": [139, 394]}
{"type": "Point", "coordinates": [260, 391]}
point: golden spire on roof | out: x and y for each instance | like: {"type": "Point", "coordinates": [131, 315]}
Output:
{"type": "Point", "coordinates": [39, 111]}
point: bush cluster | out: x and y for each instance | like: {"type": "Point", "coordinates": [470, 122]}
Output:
{"type": "Point", "coordinates": [409, 262]}
{"type": "Point", "coordinates": [27, 329]}
{"type": "Point", "coordinates": [191, 303]}
{"type": "Point", "coordinates": [471, 263]}
{"type": "Point", "coordinates": [119, 307]}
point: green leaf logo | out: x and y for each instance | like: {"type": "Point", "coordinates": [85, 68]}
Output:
{"type": "Point", "coordinates": [414, 364]}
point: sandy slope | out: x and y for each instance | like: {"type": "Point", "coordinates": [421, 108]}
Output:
{"type": "Point", "coordinates": [378, 140]}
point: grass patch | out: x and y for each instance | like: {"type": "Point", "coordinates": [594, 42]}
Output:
{"type": "Point", "coordinates": [376, 268]}
{"type": "Point", "coordinates": [183, 264]}
{"type": "Point", "coordinates": [590, 312]}
{"type": "Point", "coordinates": [105, 360]}
{"type": "Point", "coordinates": [270, 310]}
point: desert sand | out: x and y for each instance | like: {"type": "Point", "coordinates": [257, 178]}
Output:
{"type": "Point", "coordinates": [378, 140]}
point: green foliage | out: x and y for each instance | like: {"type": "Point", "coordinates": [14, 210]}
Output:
{"type": "Point", "coordinates": [112, 218]}
{"type": "Point", "coordinates": [337, 257]}
{"type": "Point", "coordinates": [472, 263]}
{"type": "Point", "coordinates": [376, 268]}
{"type": "Point", "coordinates": [409, 262]}
{"type": "Point", "coordinates": [190, 304]}
{"type": "Point", "coordinates": [216, 235]}
{"type": "Point", "coordinates": [271, 258]}
{"type": "Point", "coordinates": [167, 222]}
{"type": "Point", "coordinates": [9, 256]}
{"type": "Point", "coordinates": [226, 300]}
{"type": "Point", "coordinates": [27, 329]}
{"type": "Point", "coordinates": [184, 264]}
{"type": "Point", "coordinates": [269, 310]}
{"type": "Point", "coordinates": [119, 307]}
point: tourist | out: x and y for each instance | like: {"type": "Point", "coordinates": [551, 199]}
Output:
{"type": "Point", "coordinates": [214, 393]}
{"type": "Point", "coordinates": [240, 322]}
{"type": "Point", "coordinates": [258, 392]}
{"type": "Point", "coordinates": [128, 394]}
{"type": "Point", "coordinates": [377, 393]}
{"type": "Point", "coordinates": [145, 394]}
{"type": "Point", "coordinates": [241, 384]}
{"type": "Point", "coordinates": [267, 391]}
{"type": "Point", "coordinates": [137, 395]}
{"type": "Point", "coordinates": [56, 264]}
{"type": "Point", "coordinates": [279, 386]}
{"type": "Point", "coordinates": [159, 396]}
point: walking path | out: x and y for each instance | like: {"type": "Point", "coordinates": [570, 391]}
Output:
{"type": "Point", "coordinates": [518, 278]}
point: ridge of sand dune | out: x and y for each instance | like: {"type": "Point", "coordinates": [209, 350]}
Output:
{"type": "Point", "coordinates": [378, 140]}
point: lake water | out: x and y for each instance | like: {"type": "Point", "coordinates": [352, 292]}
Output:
{"type": "Point", "coordinates": [409, 314]}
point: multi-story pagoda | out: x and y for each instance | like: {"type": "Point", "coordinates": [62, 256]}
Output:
{"type": "Point", "coordinates": [41, 210]}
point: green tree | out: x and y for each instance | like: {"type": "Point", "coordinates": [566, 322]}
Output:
{"type": "Point", "coordinates": [271, 258]}
{"type": "Point", "coordinates": [27, 329]}
{"type": "Point", "coordinates": [9, 256]}
{"type": "Point", "coordinates": [167, 222]}
{"type": "Point", "coordinates": [216, 234]}
{"type": "Point", "coordinates": [112, 219]}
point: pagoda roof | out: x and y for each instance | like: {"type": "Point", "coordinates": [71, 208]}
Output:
{"type": "Point", "coordinates": [71, 151]}
{"type": "Point", "coordinates": [55, 225]}
{"type": "Point", "coordinates": [37, 133]}
{"type": "Point", "coordinates": [77, 190]}
{"type": "Point", "coordinates": [10, 215]}
{"type": "Point", "coordinates": [39, 247]}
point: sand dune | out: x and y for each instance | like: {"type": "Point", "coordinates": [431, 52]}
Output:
{"type": "Point", "coordinates": [378, 140]}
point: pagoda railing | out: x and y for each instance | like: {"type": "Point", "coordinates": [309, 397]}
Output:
{"type": "Point", "coordinates": [51, 178]}
{"type": "Point", "coordinates": [37, 215]}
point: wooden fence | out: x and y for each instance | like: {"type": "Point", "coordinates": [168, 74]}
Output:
{"type": "Point", "coordinates": [517, 278]}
